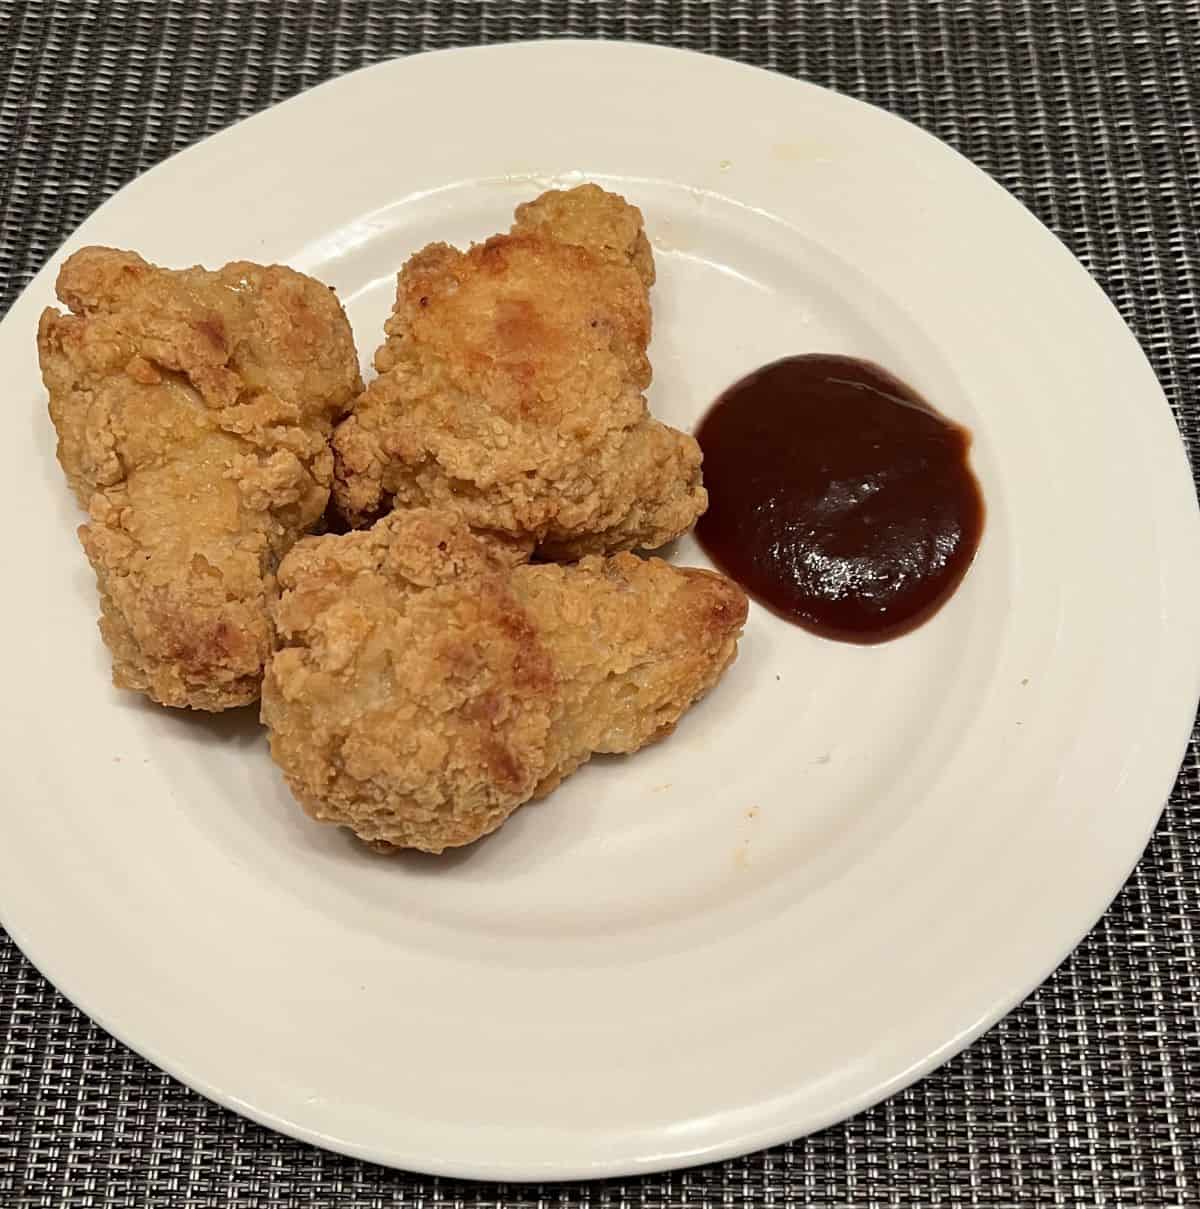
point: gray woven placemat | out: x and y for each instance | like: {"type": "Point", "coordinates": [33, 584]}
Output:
{"type": "Point", "coordinates": [1090, 1092]}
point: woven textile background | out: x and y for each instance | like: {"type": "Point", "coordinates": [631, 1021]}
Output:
{"type": "Point", "coordinates": [1090, 1092]}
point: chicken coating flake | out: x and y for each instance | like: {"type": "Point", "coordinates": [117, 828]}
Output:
{"type": "Point", "coordinates": [510, 389]}
{"type": "Point", "coordinates": [193, 412]}
{"type": "Point", "coordinates": [422, 689]}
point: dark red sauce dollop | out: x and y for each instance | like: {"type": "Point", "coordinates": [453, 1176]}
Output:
{"type": "Point", "coordinates": [838, 497]}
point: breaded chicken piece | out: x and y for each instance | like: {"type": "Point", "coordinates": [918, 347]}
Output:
{"type": "Point", "coordinates": [510, 389]}
{"type": "Point", "coordinates": [422, 689]}
{"type": "Point", "coordinates": [193, 412]}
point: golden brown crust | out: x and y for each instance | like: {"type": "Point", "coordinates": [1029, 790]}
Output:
{"type": "Point", "coordinates": [510, 389]}
{"type": "Point", "coordinates": [590, 217]}
{"type": "Point", "coordinates": [193, 411]}
{"type": "Point", "coordinates": [422, 688]}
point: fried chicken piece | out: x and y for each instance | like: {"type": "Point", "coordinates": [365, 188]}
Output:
{"type": "Point", "coordinates": [510, 389]}
{"type": "Point", "coordinates": [193, 412]}
{"type": "Point", "coordinates": [422, 689]}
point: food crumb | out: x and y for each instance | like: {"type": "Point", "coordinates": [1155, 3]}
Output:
{"type": "Point", "coordinates": [1025, 682]}
{"type": "Point", "coordinates": [725, 165]}
{"type": "Point", "coordinates": [660, 788]}
{"type": "Point", "coordinates": [752, 813]}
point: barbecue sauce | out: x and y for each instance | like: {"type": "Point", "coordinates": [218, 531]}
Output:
{"type": "Point", "coordinates": [838, 497]}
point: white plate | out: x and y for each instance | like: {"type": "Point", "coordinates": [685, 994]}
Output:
{"type": "Point", "coordinates": [643, 971]}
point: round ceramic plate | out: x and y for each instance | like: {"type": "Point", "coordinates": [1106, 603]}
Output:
{"type": "Point", "coordinates": [845, 864]}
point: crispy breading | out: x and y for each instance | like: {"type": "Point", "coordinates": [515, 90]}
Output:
{"type": "Point", "coordinates": [510, 389]}
{"type": "Point", "coordinates": [422, 689]}
{"type": "Point", "coordinates": [193, 412]}
{"type": "Point", "coordinates": [590, 217]}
